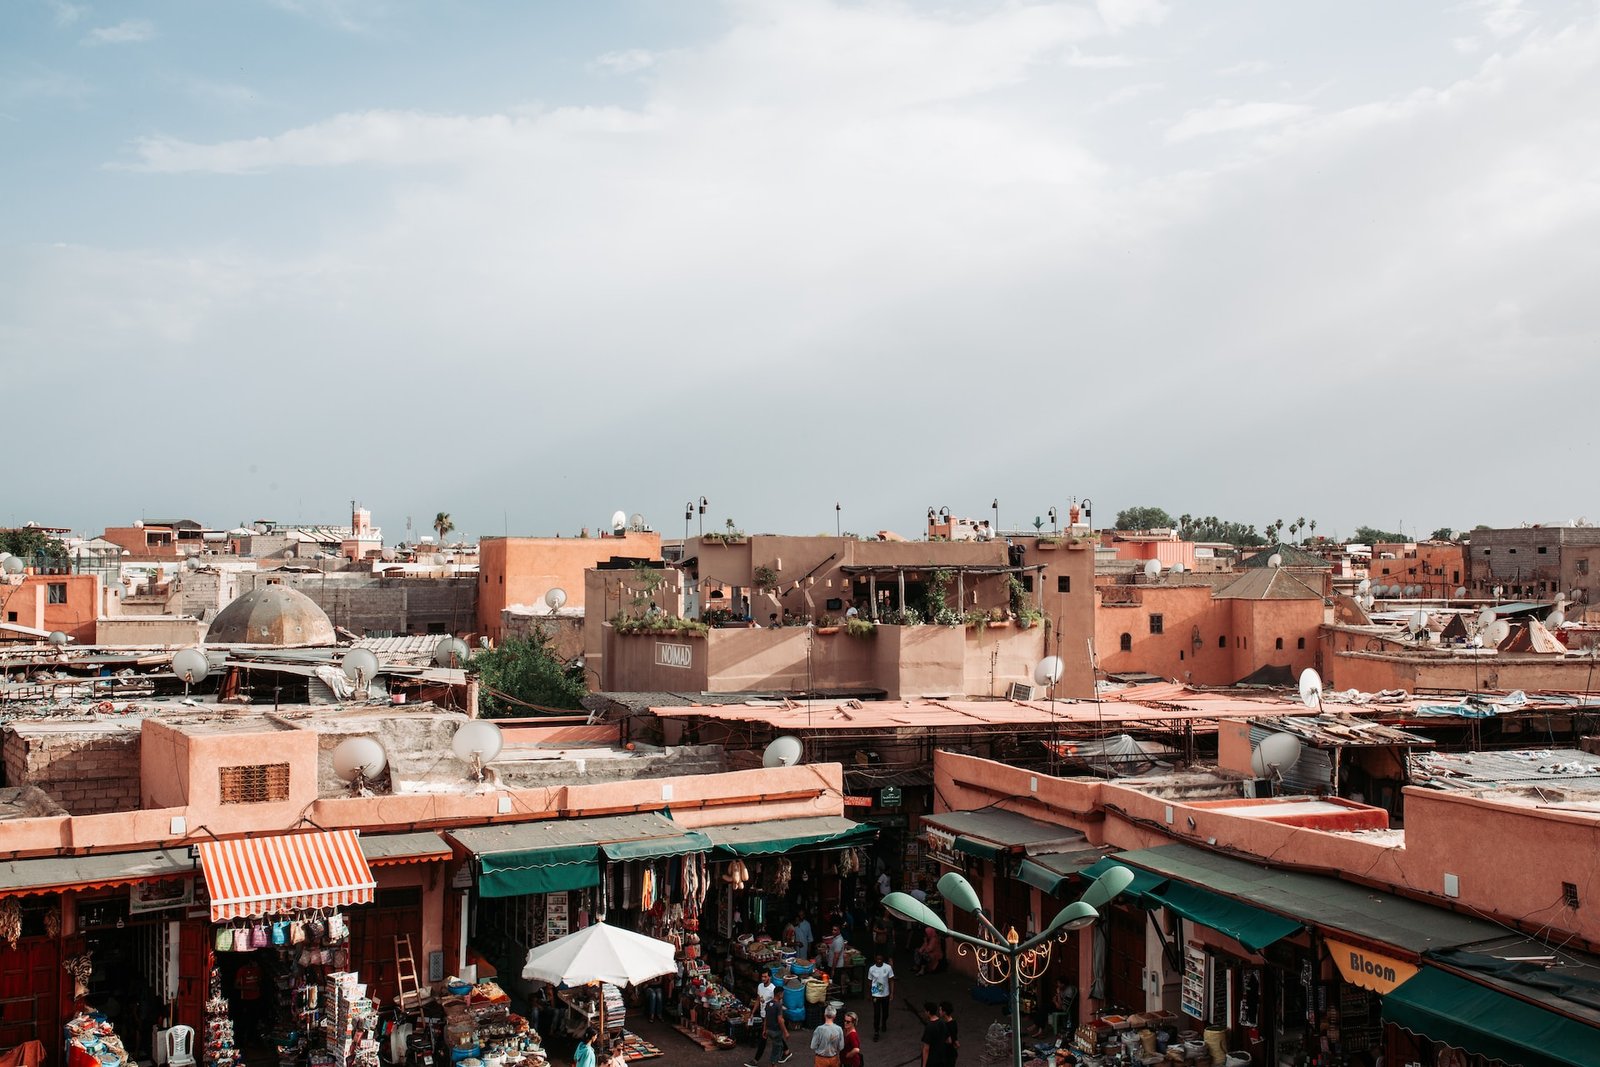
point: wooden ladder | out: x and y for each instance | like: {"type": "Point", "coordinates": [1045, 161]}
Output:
{"type": "Point", "coordinates": [412, 995]}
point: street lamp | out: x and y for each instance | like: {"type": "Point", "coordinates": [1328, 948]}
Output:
{"type": "Point", "coordinates": [703, 503]}
{"type": "Point", "coordinates": [1003, 956]}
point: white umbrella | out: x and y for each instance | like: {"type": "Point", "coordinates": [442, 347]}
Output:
{"type": "Point", "coordinates": [600, 953]}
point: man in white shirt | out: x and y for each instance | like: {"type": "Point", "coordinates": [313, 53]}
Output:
{"type": "Point", "coordinates": [803, 937]}
{"type": "Point", "coordinates": [835, 950]}
{"type": "Point", "coordinates": [884, 885]}
{"type": "Point", "coordinates": [880, 985]}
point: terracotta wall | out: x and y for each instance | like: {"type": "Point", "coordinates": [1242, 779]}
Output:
{"type": "Point", "coordinates": [29, 602]}
{"type": "Point", "coordinates": [1170, 654]}
{"type": "Point", "coordinates": [1071, 612]}
{"type": "Point", "coordinates": [521, 570]}
{"type": "Point", "coordinates": [1371, 672]}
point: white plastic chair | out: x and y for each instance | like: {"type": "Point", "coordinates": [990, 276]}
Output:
{"type": "Point", "coordinates": [180, 1046]}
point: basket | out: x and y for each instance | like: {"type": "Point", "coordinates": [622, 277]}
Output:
{"type": "Point", "coordinates": [816, 991]}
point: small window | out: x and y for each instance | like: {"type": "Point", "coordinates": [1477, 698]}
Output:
{"type": "Point", "coordinates": [1512, 551]}
{"type": "Point", "coordinates": [1222, 641]}
{"type": "Point", "coordinates": [436, 627]}
{"type": "Point", "coordinates": [1301, 643]}
{"type": "Point", "coordinates": [1487, 551]}
{"type": "Point", "coordinates": [1455, 576]}
{"type": "Point", "coordinates": [1126, 642]}
{"type": "Point", "coordinates": [259, 783]}
{"type": "Point", "coordinates": [57, 592]}
{"type": "Point", "coordinates": [1244, 642]}
{"type": "Point", "coordinates": [1180, 654]}
{"type": "Point", "coordinates": [1063, 583]}
{"type": "Point", "coordinates": [1386, 570]}
{"type": "Point", "coordinates": [1583, 566]}
{"type": "Point", "coordinates": [1542, 549]}
{"type": "Point", "coordinates": [1280, 644]}
{"type": "Point", "coordinates": [1156, 623]}
{"type": "Point", "coordinates": [1027, 583]}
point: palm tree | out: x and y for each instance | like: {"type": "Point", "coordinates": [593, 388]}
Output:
{"type": "Point", "coordinates": [443, 524]}
{"type": "Point", "coordinates": [1313, 525]}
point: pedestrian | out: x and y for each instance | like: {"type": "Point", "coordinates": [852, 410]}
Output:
{"type": "Point", "coordinates": [583, 1056]}
{"type": "Point", "coordinates": [884, 884]}
{"type": "Point", "coordinates": [880, 986]}
{"type": "Point", "coordinates": [934, 1044]}
{"type": "Point", "coordinates": [827, 1040]}
{"type": "Point", "coordinates": [776, 1033]}
{"type": "Point", "coordinates": [947, 1013]}
{"type": "Point", "coordinates": [619, 1054]}
{"type": "Point", "coordinates": [653, 1000]}
{"type": "Point", "coordinates": [930, 956]}
{"type": "Point", "coordinates": [803, 937]}
{"type": "Point", "coordinates": [851, 1056]}
{"type": "Point", "coordinates": [836, 950]}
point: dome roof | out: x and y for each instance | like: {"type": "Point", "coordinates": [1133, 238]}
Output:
{"type": "Point", "coordinates": [272, 615]}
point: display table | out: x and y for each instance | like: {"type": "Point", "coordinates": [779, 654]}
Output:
{"type": "Point", "coordinates": [91, 1039]}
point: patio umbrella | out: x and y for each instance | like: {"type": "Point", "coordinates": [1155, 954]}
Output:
{"type": "Point", "coordinates": [600, 953]}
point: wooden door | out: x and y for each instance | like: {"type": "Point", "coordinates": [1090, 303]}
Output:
{"type": "Point", "coordinates": [194, 973]}
{"type": "Point", "coordinates": [1125, 958]}
{"type": "Point", "coordinates": [30, 994]}
{"type": "Point", "coordinates": [396, 913]}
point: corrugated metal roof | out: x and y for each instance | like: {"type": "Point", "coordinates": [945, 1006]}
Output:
{"type": "Point", "coordinates": [558, 833]}
{"type": "Point", "coordinates": [1564, 768]}
{"type": "Point", "coordinates": [1007, 829]}
{"type": "Point", "coordinates": [111, 868]}
{"type": "Point", "coordinates": [1334, 730]}
{"type": "Point", "coordinates": [404, 848]}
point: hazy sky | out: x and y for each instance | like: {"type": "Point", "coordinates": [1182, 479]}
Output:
{"type": "Point", "coordinates": [530, 263]}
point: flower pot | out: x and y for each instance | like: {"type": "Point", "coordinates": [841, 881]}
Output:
{"type": "Point", "coordinates": [1003, 624]}
{"type": "Point", "coordinates": [827, 629]}
{"type": "Point", "coordinates": [1047, 546]}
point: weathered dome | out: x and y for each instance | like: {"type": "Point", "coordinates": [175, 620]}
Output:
{"type": "Point", "coordinates": [271, 615]}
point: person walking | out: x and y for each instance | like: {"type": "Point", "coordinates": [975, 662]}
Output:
{"type": "Point", "coordinates": [880, 986]}
{"type": "Point", "coordinates": [766, 1005]}
{"type": "Point", "coordinates": [851, 1056]}
{"type": "Point", "coordinates": [776, 1033]}
{"type": "Point", "coordinates": [827, 1040]}
{"type": "Point", "coordinates": [583, 1056]}
{"type": "Point", "coordinates": [952, 1032]}
{"type": "Point", "coordinates": [935, 1044]}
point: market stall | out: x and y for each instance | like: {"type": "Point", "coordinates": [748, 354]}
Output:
{"type": "Point", "coordinates": [601, 956]}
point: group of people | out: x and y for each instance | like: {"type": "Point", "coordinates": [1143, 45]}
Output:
{"type": "Point", "coordinates": [836, 1043]}
{"type": "Point", "coordinates": [941, 1040]}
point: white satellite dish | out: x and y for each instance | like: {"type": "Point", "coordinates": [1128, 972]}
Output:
{"type": "Point", "coordinates": [450, 652]}
{"type": "Point", "coordinates": [785, 751]}
{"type": "Point", "coordinates": [57, 638]}
{"type": "Point", "coordinates": [1364, 586]}
{"type": "Point", "coordinates": [1048, 671]}
{"type": "Point", "coordinates": [1276, 754]}
{"type": "Point", "coordinates": [636, 521]}
{"type": "Point", "coordinates": [1496, 632]}
{"type": "Point", "coordinates": [1178, 568]}
{"type": "Point", "coordinates": [1551, 621]}
{"type": "Point", "coordinates": [1485, 618]}
{"type": "Point", "coordinates": [4, 556]}
{"type": "Point", "coordinates": [1275, 560]}
{"type": "Point", "coordinates": [1370, 602]}
{"type": "Point", "coordinates": [1418, 623]}
{"type": "Point", "coordinates": [360, 666]}
{"type": "Point", "coordinates": [190, 666]}
{"type": "Point", "coordinates": [476, 744]}
{"type": "Point", "coordinates": [1461, 591]}
{"type": "Point", "coordinates": [619, 520]}
{"type": "Point", "coordinates": [14, 565]}
{"type": "Point", "coordinates": [554, 598]}
{"type": "Point", "coordinates": [1152, 569]}
{"type": "Point", "coordinates": [1311, 688]}
{"type": "Point", "coordinates": [358, 760]}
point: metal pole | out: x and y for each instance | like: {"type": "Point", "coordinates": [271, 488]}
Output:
{"type": "Point", "coordinates": [1016, 1010]}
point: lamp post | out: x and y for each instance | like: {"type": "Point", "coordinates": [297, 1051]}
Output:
{"type": "Point", "coordinates": [703, 503]}
{"type": "Point", "coordinates": [1002, 956]}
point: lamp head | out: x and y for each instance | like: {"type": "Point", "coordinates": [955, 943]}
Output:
{"type": "Point", "coordinates": [911, 909]}
{"type": "Point", "coordinates": [1074, 916]}
{"type": "Point", "coordinates": [957, 890]}
{"type": "Point", "coordinates": [1107, 886]}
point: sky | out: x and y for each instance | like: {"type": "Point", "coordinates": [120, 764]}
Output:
{"type": "Point", "coordinates": [533, 263]}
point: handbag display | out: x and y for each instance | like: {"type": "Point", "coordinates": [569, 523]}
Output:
{"type": "Point", "coordinates": [224, 939]}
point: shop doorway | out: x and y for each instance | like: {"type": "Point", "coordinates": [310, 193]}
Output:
{"type": "Point", "coordinates": [30, 985]}
{"type": "Point", "coordinates": [393, 913]}
{"type": "Point", "coordinates": [1125, 958]}
{"type": "Point", "coordinates": [132, 964]}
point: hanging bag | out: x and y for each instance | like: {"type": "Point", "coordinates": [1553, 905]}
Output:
{"type": "Point", "coordinates": [338, 929]}
{"type": "Point", "coordinates": [280, 932]}
{"type": "Point", "coordinates": [297, 932]}
{"type": "Point", "coordinates": [260, 936]}
{"type": "Point", "coordinates": [224, 939]}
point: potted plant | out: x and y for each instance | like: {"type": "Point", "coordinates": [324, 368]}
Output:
{"type": "Point", "coordinates": [1048, 543]}
{"type": "Point", "coordinates": [828, 624]}
{"type": "Point", "coordinates": [1028, 618]}
{"type": "Point", "coordinates": [764, 578]}
{"type": "Point", "coordinates": [998, 620]}
{"type": "Point", "coordinates": [859, 626]}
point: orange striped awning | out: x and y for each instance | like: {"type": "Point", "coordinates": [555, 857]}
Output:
{"type": "Point", "coordinates": [254, 876]}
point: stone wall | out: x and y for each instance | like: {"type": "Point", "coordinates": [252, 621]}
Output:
{"type": "Point", "coordinates": [366, 604]}
{"type": "Point", "coordinates": [86, 768]}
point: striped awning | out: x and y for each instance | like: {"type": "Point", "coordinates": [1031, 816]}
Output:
{"type": "Point", "coordinates": [254, 876]}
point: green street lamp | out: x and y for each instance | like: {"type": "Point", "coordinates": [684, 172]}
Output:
{"type": "Point", "coordinates": [1002, 956]}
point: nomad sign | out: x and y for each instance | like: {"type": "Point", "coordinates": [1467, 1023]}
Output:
{"type": "Point", "coordinates": [674, 655]}
{"type": "Point", "coordinates": [1368, 969]}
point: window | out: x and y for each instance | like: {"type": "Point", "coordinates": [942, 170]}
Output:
{"type": "Point", "coordinates": [1180, 654]}
{"type": "Point", "coordinates": [1280, 644]}
{"type": "Point", "coordinates": [1222, 641]}
{"type": "Point", "coordinates": [1386, 570]}
{"type": "Point", "coordinates": [57, 592]}
{"type": "Point", "coordinates": [1301, 643]}
{"type": "Point", "coordinates": [1455, 576]}
{"type": "Point", "coordinates": [1126, 642]}
{"type": "Point", "coordinates": [1156, 624]}
{"type": "Point", "coordinates": [1583, 566]}
{"type": "Point", "coordinates": [1064, 583]}
{"type": "Point", "coordinates": [1542, 549]}
{"type": "Point", "coordinates": [1027, 583]}
{"type": "Point", "coordinates": [436, 627]}
{"type": "Point", "coordinates": [1512, 551]}
{"type": "Point", "coordinates": [259, 783]}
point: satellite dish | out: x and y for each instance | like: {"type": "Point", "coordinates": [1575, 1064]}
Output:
{"type": "Point", "coordinates": [191, 564]}
{"type": "Point", "coordinates": [1418, 623]}
{"type": "Point", "coordinates": [387, 555]}
{"type": "Point", "coordinates": [636, 522]}
{"type": "Point", "coordinates": [4, 556]}
{"type": "Point", "coordinates": [450, 652]}
{"type": "Point", "coordinates": [358, 759]}
{"type": "Point", "coordinates": [14, 565]}
{"type": "Point", "coordinates": [483, 643]}
{"type": "Point", "coordinates": [57, 638]}
{"type": "Point", "coordinates": [1369, 602]}
{"type": "Point", "coordinates": [785, 751]}
{"type": "Point", "coordinates": [359, 665]}
{"type": "Point", "coordinates": [554, 598]}
{"type": "Point", "coordinates": [1152, 569]}
{"type": "Point", "coordinates": [1461, 591]}
{"type": "Point", "coordinates": [476, 744]}
{"type": "Point", "coordinates": [1364, 586]}
{"type": "Point", "coordinates": [190, 666]}
{"type": "Point", "coordinates": [619, 520]}
{"type": "Point", "coordinates": [1048, 671]}
{"type": "Point", "coordinates": [1497, 632]}
{"type": "Point", "coordinates": [1275, 754]}
{"type": "Point", "coordinates": [1178, 568]}
{"type": "Point", "coordinates": [1552, 620]}
{"type": "Point", "coordinates": [1485, 619]}
{"type": "Point", "coordinates": [1311, 688]}
{"type": "Point", "coordinates": [1275, 560]}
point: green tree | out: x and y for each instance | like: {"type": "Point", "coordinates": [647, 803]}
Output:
{"type": "Point", "coordinates": [29, 543]}
{"type": "Point", "coordinates": [523, 671]}
{"type": "Point", "coordinates": [443, 524]}
{"type": "Point", "coordinates": [1371, 535]}
{"type": "Point", "coordinates": [1143, 518]}
{"type": "Point", "coordinates": [1443, 533]}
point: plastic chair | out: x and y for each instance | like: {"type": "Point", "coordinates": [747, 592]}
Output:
{"type": "Point", "coordinates": [180, 1046]}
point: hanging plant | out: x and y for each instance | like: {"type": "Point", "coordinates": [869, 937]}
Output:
{"type": "Point", "coordinates": [10, 920]}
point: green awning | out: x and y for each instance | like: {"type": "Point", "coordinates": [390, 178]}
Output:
{"type": "Point", "coordinates": [981, 849]}
{"type": "Point", "coordinates": [545, 870]}
{"type": "Point", "coordinates": [1251, 927]}
{"type": "Point", "coordinates": [1045, 881]}
{"type": "Point", "coordinates": [1050, 872]}
{"type": "Point", "coordinates": [1476, 1019]}
{"type": "Point", "coordinates": [657, 847]}
{"type": "Point", "coordinates": [786, 835]}
{"type": "Point", "coordinates": [1138, 890]}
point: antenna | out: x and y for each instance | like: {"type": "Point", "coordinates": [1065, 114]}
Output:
{"type": "Point", "coordinates": [190, 666]}
{"type": "Point", "coordinates": [1276, 753]}
{"type": "Point", "coordinates": [1311, 689]}
{"type": "Point", "coordinates": [476, 743]}
{"type": "Point", "coordinates": [1152, 569]}
{"type": "Point", "coordinates": [450, 652]}
{"type": "Point", "coordinates": [636, 521]}
{"type": "Point", "coordinates": [784, 751]}
{"type": "Point", "coordinates": [554, 598]}
{"type": "Point", "coordinates": [360, 666]}
{"type": "Point", "coordinates": [357, 761]}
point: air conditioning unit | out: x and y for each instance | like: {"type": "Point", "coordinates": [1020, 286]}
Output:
{"type": "Point", "coordinates": [1020, 691]}
{"type": "Point", "coordinates": [1258, 788]}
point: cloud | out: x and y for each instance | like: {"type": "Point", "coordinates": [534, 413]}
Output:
{"type": "Point", "coordinates": [1503, 18]}
{"type": "Point", "coordinates": [1119, 15]}
{"type": "Point", "coordinates": [627, 61]}
{"type": "Point", "coordinates": [1226, 116]}
{"type": "Point", "coordinates": [65, 13]}
{"type": "Point", "coordinates": [1247, 67]}
{"type": "Point", "coordinates": [226, 94]}
{"type": "Point", "coordinates": [1100, 62]}
{"type": "Point", "coordinates": [128, 31]}
{"type": "Point", "coordinates": [349, 16]}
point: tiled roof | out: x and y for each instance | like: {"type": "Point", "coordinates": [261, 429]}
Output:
{"type": "Point", "coordinates": [1292, 557]}
{"type": "Point", "coordinates": [1272, 583]}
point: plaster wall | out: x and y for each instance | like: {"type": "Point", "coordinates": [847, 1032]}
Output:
{"type": "Point", "coordinates": [521, 570]}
